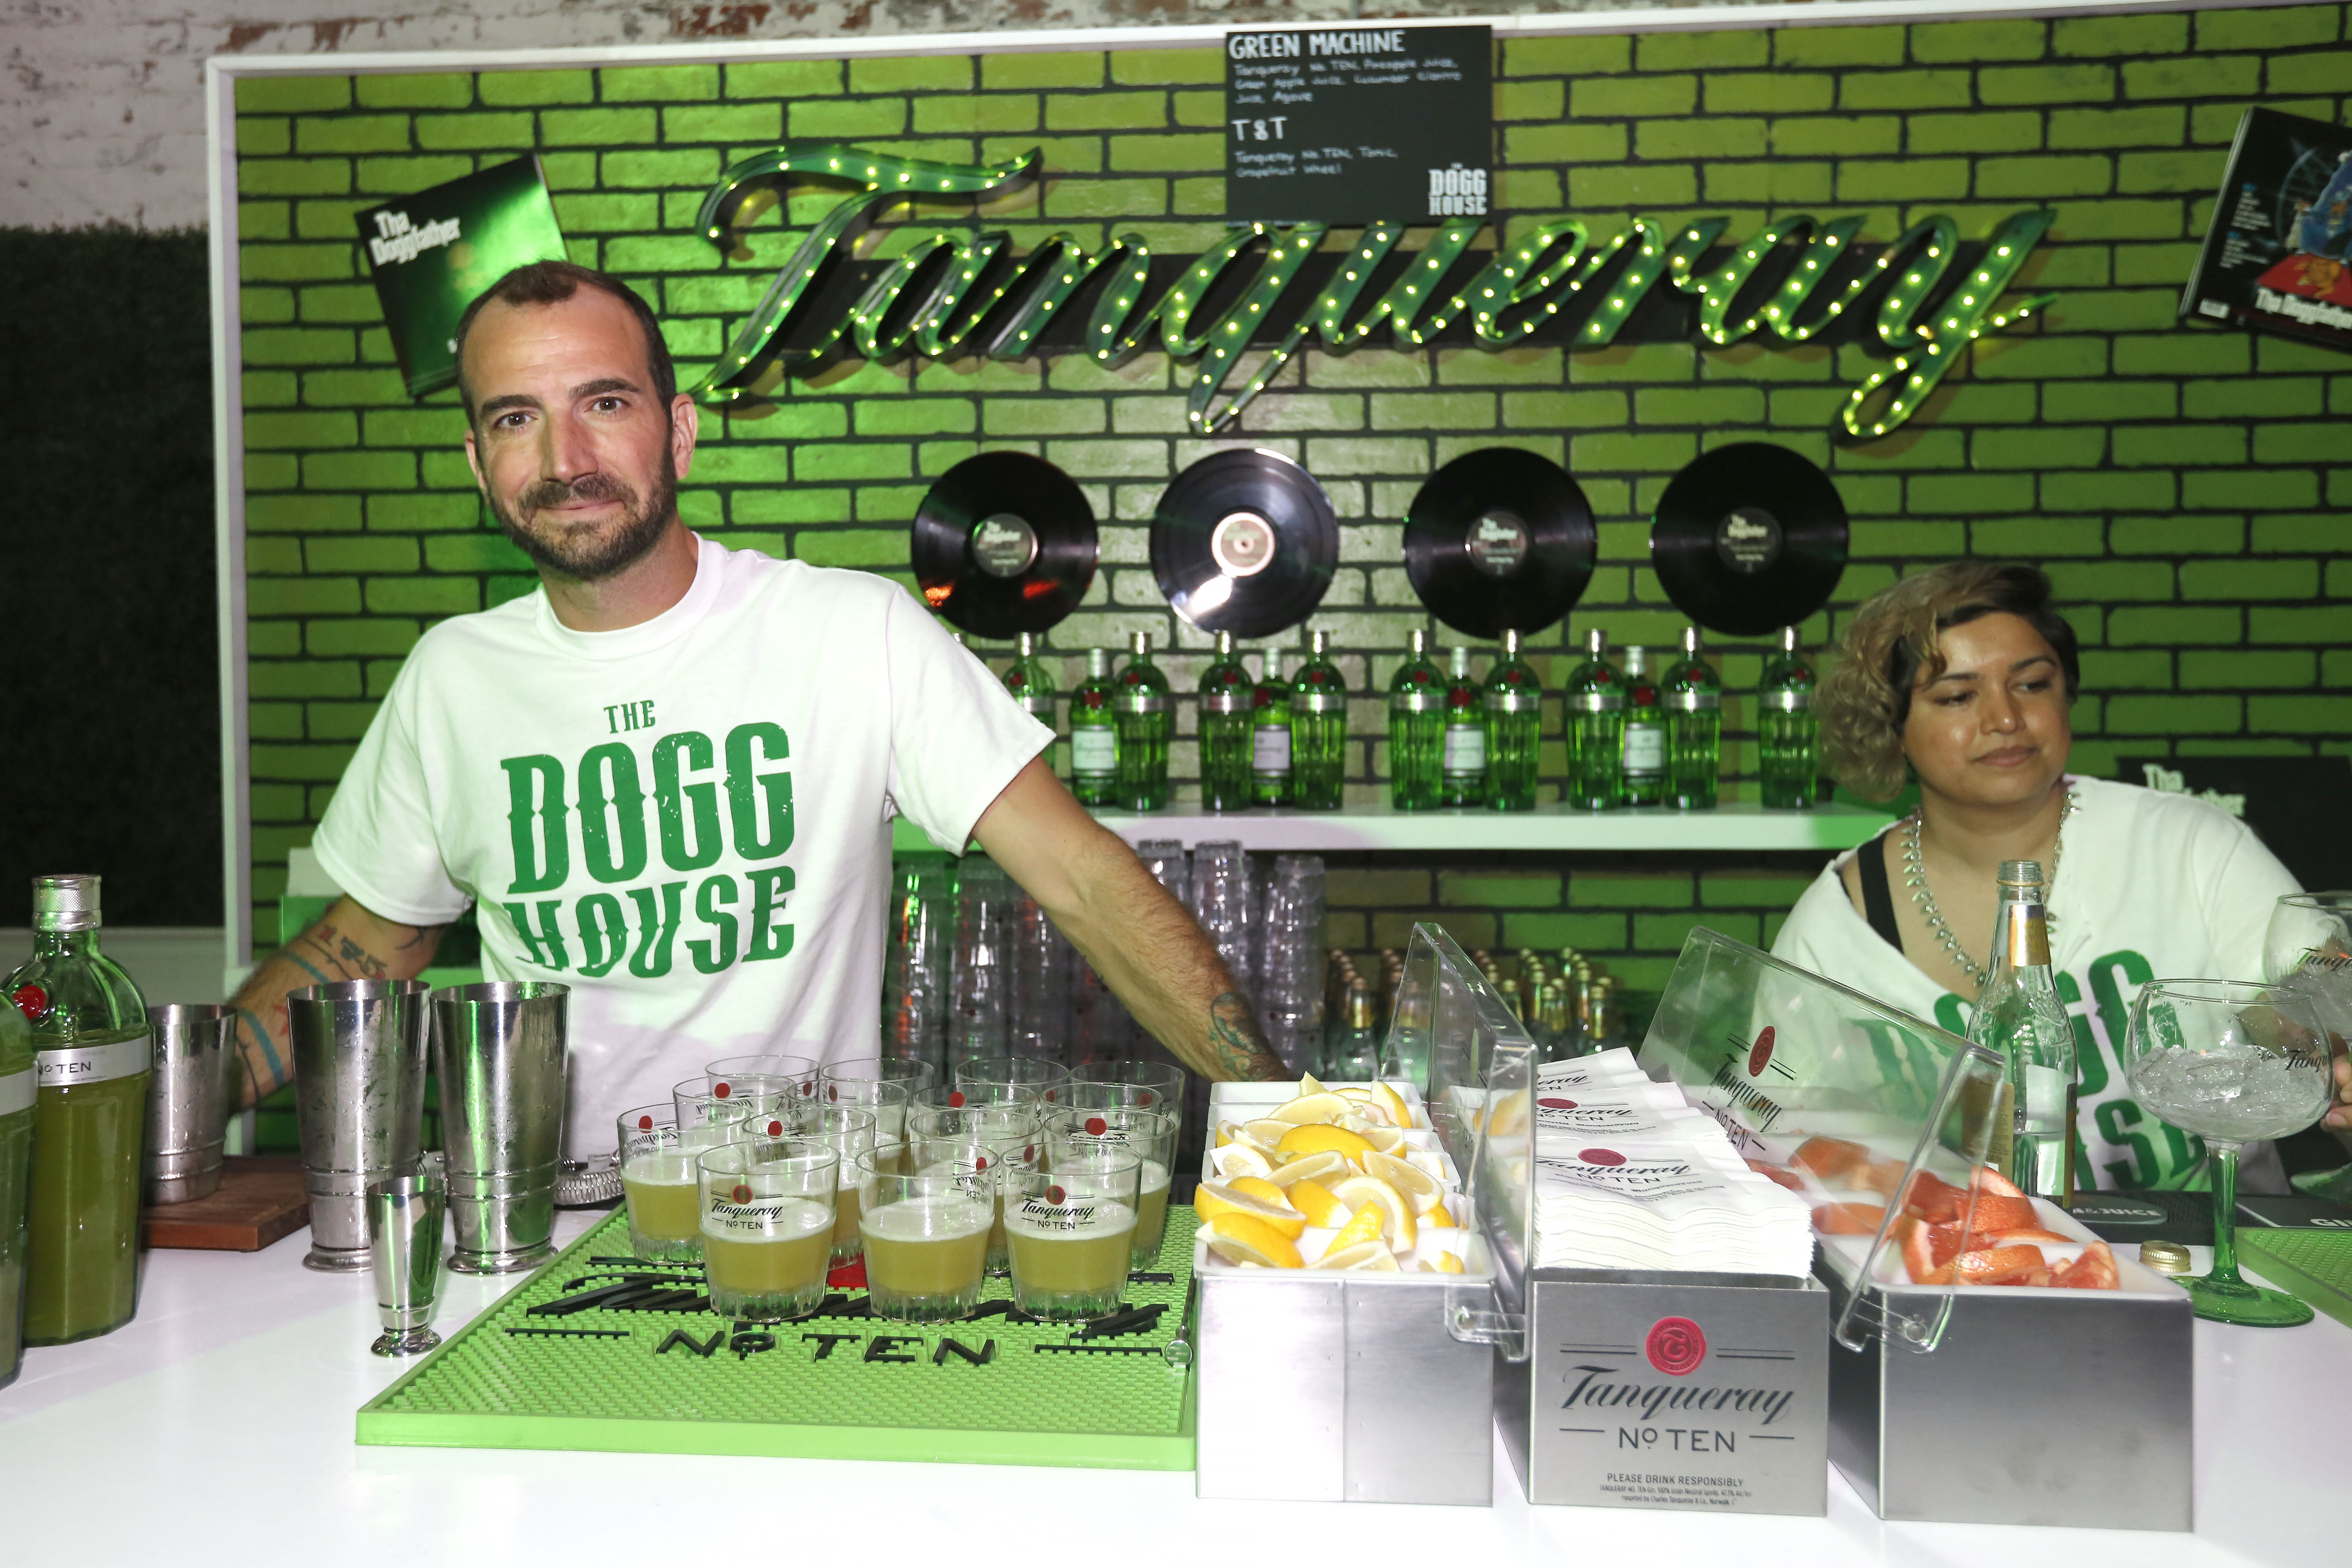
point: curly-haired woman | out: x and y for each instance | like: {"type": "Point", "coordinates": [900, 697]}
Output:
{"type": "Point", "coordinates": [1960, 678]}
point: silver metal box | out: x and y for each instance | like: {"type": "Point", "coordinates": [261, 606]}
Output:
{"type": "Point", "coordinates": [1706, 1392]}
{"type": "Point", "coordinates": [1370, 1397]}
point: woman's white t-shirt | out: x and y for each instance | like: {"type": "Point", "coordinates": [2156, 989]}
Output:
{"type": "Point", "coordinates": [687, 821]}
{"type": "Point", "coordinates": [2149, 886]}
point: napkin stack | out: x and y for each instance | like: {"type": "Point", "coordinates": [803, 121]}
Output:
{"type": "Point", "coordinates": [1630, 1175]}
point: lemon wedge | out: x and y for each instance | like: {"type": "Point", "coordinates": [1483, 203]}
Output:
{"type": "Point", "coordinates": [1366, 1224]}
{"type": "Point", "coordinates": [1239, 1238]}
{"type": "Point", "coordinates": [1365, 1257]}
{"type": "Point", "coordinates": [1266, 1132]}
{"type": "Point", "coordinates": [1309, 1108]}
{"type": "Point", "coordinates": [1403, 1227]}
{"type": "Point", "coordinates": [1237, 1159]}
{"type": "Point", "coordinates": [1410, 1180]}
{"type": "Point", "coordinates": [1354, 1091]}
{"type": "Point", "coordinates": [1214, 1202]}
{"type": "Point", "coordinates": [1313, 1199]}
{"type": "Point", "coordinates": [1316, 1167]}
{"type": "Point", "coordinates": [1310, 1084]}
{"type": "Point", "coordinates": [1325, 1140]}
{"type": "Point", "coordinates": [1439, 1215]}
{"type": "Point", "coordinates": [1390, 1101]}
{"type": "Point", "coordinates": [1260, 1188]}
{"type": "Point", "coordinates": [1448, 1264]}
{"type": "Point", "coordinates": [1387, 1139]}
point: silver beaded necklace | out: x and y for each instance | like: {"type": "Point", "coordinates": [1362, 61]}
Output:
{"type": "Point", "coordinates": [1915, 876]}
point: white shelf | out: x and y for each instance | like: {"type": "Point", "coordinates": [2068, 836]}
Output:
{"type": "Point", "coordinates": [1740, 827]}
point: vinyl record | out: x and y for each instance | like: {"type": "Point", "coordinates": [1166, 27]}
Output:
{"type": "Point", "coordinates": [1004, 544]}
{"type": "Point", "coordinates": [1749, 539]}
{"type": "Point", "coordinates": [1499, 540]}
{"type": "Point", "coordinates": [1245, 543]}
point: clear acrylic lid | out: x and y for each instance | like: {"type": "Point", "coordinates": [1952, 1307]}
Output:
{"type": "Point", "coordinates": [1837, 1096]}
{"type": "Point", "coordinates": [1820, 1087]}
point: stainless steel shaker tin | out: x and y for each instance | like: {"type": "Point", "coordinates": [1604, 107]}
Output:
{"type": "Point", "coordinates": [188, 1100]}
{"type": "Point", "coordinates": [499, 1050]}
{"type": "Point", "coordinates": [359, 1102]}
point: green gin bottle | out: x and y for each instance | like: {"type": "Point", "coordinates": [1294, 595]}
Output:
{"type": "Point", "coordinates": [15, 1172]}
{"type": "Point", "coordinates": [1646, 733]}
{"type": "Point", "coordinates": [1032, 684]}
{"type": "Point", "coordinates": [1270, 735]}
{"type": "Point", "coordinates": [1514, 704]}
{"type": "Point", "coordinates": [1093, 734]}
{"type": "Point", "coordinates": [1318, 728]}
{"type": "Point", "coordinates": [1462, 774]}
{"type": "Point", "coordinates": [1788, 732]}
{"type": "Point", "coordinates": [1416, 729]}
{"type": "Point", "coordinates": [92, 1060]}
{"type": "Point", "coordinates": [1596, 729]}
{"type": "Point", "coordinates": [1693, 698]}
{"type": "Point", "coordinates": [1226, 726]}
{"type": "Point", "coordinates": [1145, 719]}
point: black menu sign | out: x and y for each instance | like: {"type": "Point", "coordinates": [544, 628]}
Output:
{"type": "Point", "coordinates": [1358, 124]}
{"type": "Point", "coordinates": [2278, 255]}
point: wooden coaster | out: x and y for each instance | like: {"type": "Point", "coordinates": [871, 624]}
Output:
{"type": "Point", "coordinates": [260, 1200]}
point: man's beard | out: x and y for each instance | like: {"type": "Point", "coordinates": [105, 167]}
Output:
{"type": "Point", "coordinates": [596, 556]}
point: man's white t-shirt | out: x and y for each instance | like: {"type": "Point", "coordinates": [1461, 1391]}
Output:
{"type": "Point", "coordinates": [2149, 886]}
{"type": "Point", "coordinates": [687, 821]}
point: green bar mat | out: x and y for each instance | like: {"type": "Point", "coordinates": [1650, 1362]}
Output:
{"type": "Point", "coordinates": [984, 1391]}
{"type": "Point", "coordinates": [2316, 1264]}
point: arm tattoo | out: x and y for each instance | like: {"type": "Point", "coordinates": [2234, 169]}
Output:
{"type": "Point", "coordinates": [1241, 1049]}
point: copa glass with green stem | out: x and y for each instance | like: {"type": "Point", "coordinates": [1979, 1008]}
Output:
{"type": "Point", "coordinates": [2232, 1062]}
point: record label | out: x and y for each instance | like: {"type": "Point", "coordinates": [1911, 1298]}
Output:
{"type": "Point", "coordinates": [1004, 544]}
{"type": "Point", "coordinates": [1499, 540]}
{"type": "Point", "coordinates": [1750, 538]}
{"type": "Point", "coordinates": [1497, 543]}
{"type": "Point", "coordinates": [1244, 542]}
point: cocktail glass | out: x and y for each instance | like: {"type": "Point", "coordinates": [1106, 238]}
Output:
{"type": "Point", "coordinates": [1148, 1085]}
{"type": "Point", "coordinates": [926, 1239]}
{"type": "Point", "coordinates": [1031, 1078]}
{"type": "Point", "coordinates": [1070, 1221]}
{"type": "Point", "coordinates": [767, 1210]}
{"type": "Point", "coordinates": [791, 1079]}
{"type": "Point", "coordinates": [2309, 946]}
{"type": "Point", "coordinates": [2231, 1062]}
{"type": "Point", "coordinates": [1149, 1135]}
{"type": "Point", "coordinates": [849, 1132]}
{"type": "Point", "coordinates": [655, 1153]}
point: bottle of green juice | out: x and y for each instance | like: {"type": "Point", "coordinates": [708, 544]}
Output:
{"type": "Point", "coordinates": [92, 1060]}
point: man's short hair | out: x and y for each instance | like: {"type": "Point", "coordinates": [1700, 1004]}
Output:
{"type": "Point", "coordinates": [552, 282]}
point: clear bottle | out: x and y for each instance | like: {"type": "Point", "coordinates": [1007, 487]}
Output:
{"type": "Point", "coordinates": [1145, 719]}
{"type": "Point", "coordinates": [1318, 728]}
{"type": "Point", "coordinates": [1596, 729]}
{"type": "Point", "coordinates": [1416, 729]}
{"type": "Point", "coordinates": [1226, 726]}
{"type": "Point", "coordinates": [1646, 733]}
{"type": "Point", "coordinates": [1693, 698]}
{"type": "Point", "coordinates": [1604, 1028]}
{"type": "Point", "coordinates": [16, 1095]}
{"type": "Point", "coordinates": [1355, 1052]}
{"type": "Point", "coordinates": [92, 1063]}
{"type": "Point", "coordinates": [1270, 735]}
{"type": "Point", "coordinates": [1094, 735]}
{"type": "Point", "coordinates": [1788, 732]}
{"type": "Point", "coordinates": [1032, 683]}
{"type": "Point", "coordinates": [2019, 1014]}
{"type": "Point", "coordinates": [1462, 771]}
{"type": "Point", "coordinates": [1558, 1040]}
{"type": "Point", "coordinates": [1513, 700]}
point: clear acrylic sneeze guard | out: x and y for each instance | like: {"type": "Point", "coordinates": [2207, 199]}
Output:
{"type": "Point", "coordinates": [1975, 1403]}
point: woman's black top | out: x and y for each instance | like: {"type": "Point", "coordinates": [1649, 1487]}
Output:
{"type": "Point", "coordinates": [1877, 897]}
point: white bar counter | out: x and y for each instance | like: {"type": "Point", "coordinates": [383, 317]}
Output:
{"type": "Point", "coordinates": [216, 1428]}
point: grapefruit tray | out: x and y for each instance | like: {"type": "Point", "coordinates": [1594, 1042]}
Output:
{"type": "Point", "coordinates": [599, 1351]}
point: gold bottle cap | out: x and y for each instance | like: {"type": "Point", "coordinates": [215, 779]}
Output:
{"type": "Point", "coordinates": [2164, 1256]}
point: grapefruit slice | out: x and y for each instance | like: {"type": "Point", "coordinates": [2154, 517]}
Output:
{"type": "Point", "coordinates": [1849, 1219]}
{"type": "Point", "coordinates": [1987, 1180]}
{"type": "Point", "coordinates": [1830, 1158]}
{"type": "Point", "coordinates": [1999, 1266]}
{"type": "Point", "coordinates": [1934, 1199]}
{"type": "Point", "coordinates": [2094, 1271]}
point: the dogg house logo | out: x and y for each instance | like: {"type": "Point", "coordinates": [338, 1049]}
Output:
{"type": "Point", "coordinates": [1457, 192]}
{"type": "Point", "coordinates": [686, 798]}
{"type": "Point", "coordinates": [397, 240]}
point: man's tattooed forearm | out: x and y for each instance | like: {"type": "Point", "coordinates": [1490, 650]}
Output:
{"type": "Point", "coordinates": [1241, 1049]}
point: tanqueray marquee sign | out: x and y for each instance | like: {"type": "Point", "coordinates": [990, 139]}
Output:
{"type": "Point", "coordinates": [952, 293]}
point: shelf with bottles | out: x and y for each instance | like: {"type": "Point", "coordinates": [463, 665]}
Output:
{"type": "Point", "coordinates": [1733, 826]}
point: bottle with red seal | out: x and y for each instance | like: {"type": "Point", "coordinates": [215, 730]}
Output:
{"type": "Point", "coordinates": [92, 1062]}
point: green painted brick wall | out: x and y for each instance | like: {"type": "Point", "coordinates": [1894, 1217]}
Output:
{"type": "Point", "coordinates": [2185, 487]}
